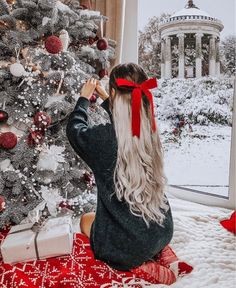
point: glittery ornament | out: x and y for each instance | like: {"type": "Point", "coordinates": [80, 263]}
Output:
{"type": "Point", "coordinates": [8, 140]}
{"type": "Point", "coordinates": [102, 73]}
{"type": "Point", "coordinates": [35, 137]}
{"type": "Point", "coordinates": [3, 116]}
{"type": "Point", "coordinates": [53, 44]}
{"type": "Point", "coordinates": [42, 120]}
{"type": "Point", "coordinates": [93, 99]}
{"type": "Point", "coordinates": [102, 44]}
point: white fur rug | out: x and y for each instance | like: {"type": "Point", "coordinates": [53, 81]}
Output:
{"type": "Point", "coordinates": [200, 240]}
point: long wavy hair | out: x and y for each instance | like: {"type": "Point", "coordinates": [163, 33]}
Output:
{"type": "Point", "coordinates": [138, 177]}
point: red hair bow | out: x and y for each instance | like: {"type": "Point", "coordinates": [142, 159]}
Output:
{"type": "Point", "coordinates": [136, 101]}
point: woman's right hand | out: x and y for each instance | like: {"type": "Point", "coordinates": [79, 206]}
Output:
{"type": "Point", "coordinates": [101, 91]}
{"type": "Point", "coordinates": [88, 88]}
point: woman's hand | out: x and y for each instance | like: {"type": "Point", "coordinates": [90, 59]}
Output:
{"type": "Point", "coordinates": [101, 91]}
{"type": "Point", "coordinates": [88, 88]}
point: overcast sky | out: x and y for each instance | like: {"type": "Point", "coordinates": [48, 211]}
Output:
{"type": "Point", "coordinates": [225, 10]}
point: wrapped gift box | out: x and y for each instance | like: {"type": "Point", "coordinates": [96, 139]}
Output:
{"type": "Point", "coordinates": [25, 243]}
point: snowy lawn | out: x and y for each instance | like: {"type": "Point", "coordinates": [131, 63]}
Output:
{"type": "Point", "coordinates": [200, 159]}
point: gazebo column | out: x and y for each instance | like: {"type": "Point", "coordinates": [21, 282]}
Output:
{"type": "Point", "coordinates": [218, 57]}
{"type": "Point", "coordinates": [168, 70]}
{"type": "Point", "coordinates": [199, 55]}
{"type": "Point", "coordinates": [181, 55]}
{"type": "Point", "coordinates": [212, 56]}
{"type": "Point", "coordinates": [163, 58]}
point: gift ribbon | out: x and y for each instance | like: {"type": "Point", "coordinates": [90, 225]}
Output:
{"type": "Point", "coordinates": [36, 228]}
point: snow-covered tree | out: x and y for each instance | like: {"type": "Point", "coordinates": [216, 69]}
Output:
{"type": "Point", "coordinates": [150, 46]}
{"type": "Point", "coordinates": [228, 52]}
{"type": "Point", "coordinates": [47, 51]}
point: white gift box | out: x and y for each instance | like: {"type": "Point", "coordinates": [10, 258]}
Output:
{"type": "Point", "coordinates": [23, 244]}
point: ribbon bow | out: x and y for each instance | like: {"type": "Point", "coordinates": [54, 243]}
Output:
{"type": "Point", "coordinates": [136, 101]}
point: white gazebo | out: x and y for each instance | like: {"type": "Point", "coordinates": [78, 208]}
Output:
{"type": "Point", "coordinates": [194, 27]}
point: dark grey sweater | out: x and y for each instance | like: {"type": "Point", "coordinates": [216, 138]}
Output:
{"type": "Point", "coordinates": [118, 237]}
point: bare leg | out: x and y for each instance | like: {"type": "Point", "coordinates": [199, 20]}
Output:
{"type": "Point", "coordinates": [86, 223]}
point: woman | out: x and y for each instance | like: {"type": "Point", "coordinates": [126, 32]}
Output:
{"type": "Point", "coordinates": [133, 220]}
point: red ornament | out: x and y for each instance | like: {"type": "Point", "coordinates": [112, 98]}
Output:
{"type": "Point", "coordinates": [91, 40]}
{"type": "Point", "coordinates": [84, 6]}
{"type": "Point", "coordinates": [42, 120]}
{"type": "Point", "coordinates": [53, 44]}
{"type": "Point", "coordinates": [8, 140]}
{"type": "Point", "coordinates": [2, 203]}
{"type": "Point", "coordinates": [93, 99]}
{"type": "Point", "coordinates": [102, 73]}
{"type": "Point", "coordinates": [35, 137]}
{"type": "Point", "coordinates": [102, 44]}
{"type": "Point", "coordinates": [65, 204]}
{"type": "Point", "coordinates": [3, 116]}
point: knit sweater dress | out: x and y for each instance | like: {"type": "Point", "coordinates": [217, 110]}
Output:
{"type": "Point", "coordinates": [118, 237]}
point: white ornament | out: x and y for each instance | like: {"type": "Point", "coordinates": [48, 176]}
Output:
{"type": "Point", "coordinates": [17, 69]}
{"type": "Point", "coordinates": [50, 158]}
{"type": "Point", "coordinates": [65, 39]}
{"type": "Point", "coordinates": [45, 20]}
{"type": "Point", "coordinates": [6, 165]}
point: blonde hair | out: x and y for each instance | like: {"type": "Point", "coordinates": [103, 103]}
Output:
{"type": "Point", "coordinates": [139, 177]}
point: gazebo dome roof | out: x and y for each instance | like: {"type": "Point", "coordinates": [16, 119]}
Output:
{"type": "Point", "coordinates": [190, 12]}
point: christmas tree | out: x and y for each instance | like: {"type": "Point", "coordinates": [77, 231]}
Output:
{"type": "Point", "coordinates": [48, 49]}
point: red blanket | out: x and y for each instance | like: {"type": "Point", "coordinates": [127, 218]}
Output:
{"type": "Point", "coordinates": [80, 269]}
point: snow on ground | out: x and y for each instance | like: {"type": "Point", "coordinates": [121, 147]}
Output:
{"type": "Point", "coordinates": [201, 158]}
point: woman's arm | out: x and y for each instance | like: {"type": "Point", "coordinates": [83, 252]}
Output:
{"type": "Point", "coordinates": [77, 130]}
{"type": "Point", "coordinates": [105, 105]}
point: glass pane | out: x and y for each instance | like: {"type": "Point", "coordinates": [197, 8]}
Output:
{"type": "Point", "coordinates": [194, 100]}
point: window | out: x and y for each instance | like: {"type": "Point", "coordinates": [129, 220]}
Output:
{"type": "Point", "coordinates": [210, 192]}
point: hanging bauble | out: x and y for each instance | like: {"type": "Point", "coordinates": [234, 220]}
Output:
{"type": "Point", "coordinates": [102, 44]}
{"type": "Point", "coordinates": [8, 140]}
{"type": "Point", "coordinates": [17, 69]}
{"type": "Point", "coordinates": [3, 116]}
{"type": "Point", "coordinates": [102, 73]}
{"type": "Point", "coordinates": [93, 99]}
{"type": "Point", "coordinates": [35, 137]}
{"type": "Point", "coordinates": [65, 39]}
{"type": "Point", "coordinates": [84, 6]}
{"type": "Point", "coordinates": [2, 203]}
{"type": "Point", "coordinates": [53, 44]}
{"type": "Point", "coordinates": [42, 120]}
